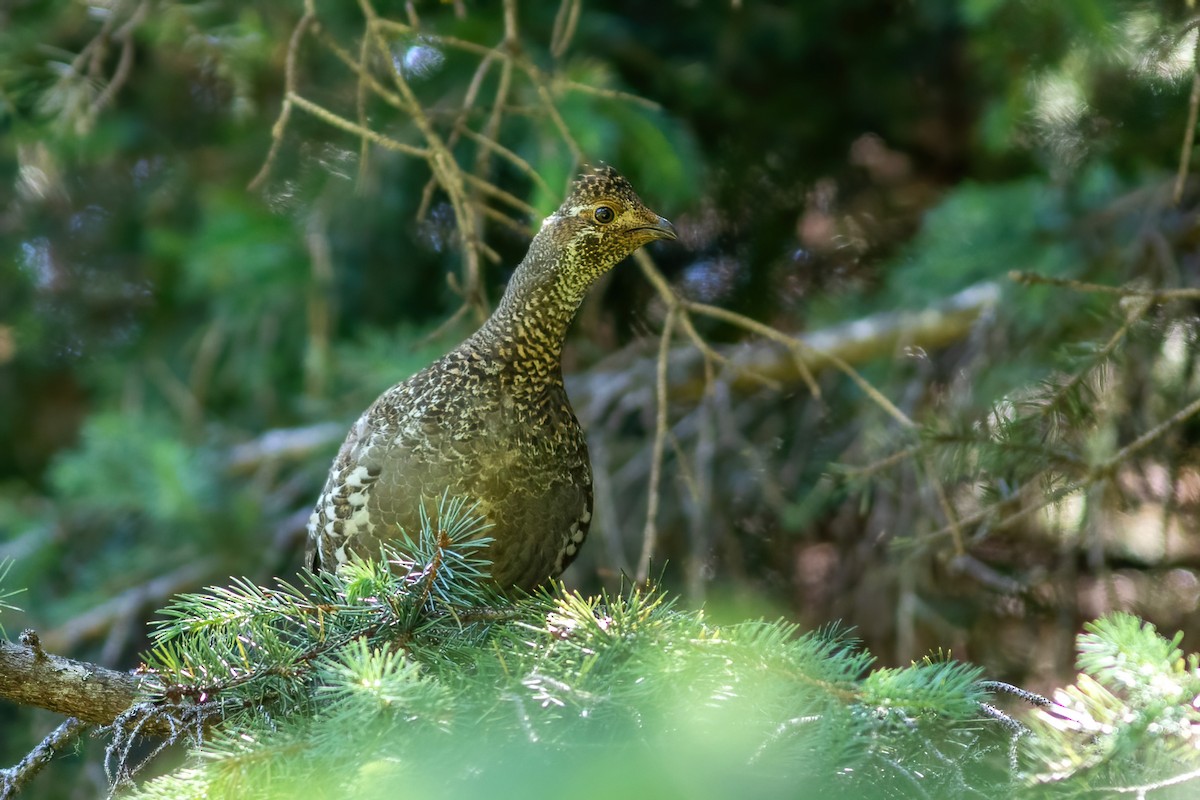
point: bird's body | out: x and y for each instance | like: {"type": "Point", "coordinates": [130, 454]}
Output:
{"type": "Point", "coordinates": [490, 421]}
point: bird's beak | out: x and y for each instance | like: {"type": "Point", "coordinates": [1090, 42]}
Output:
{"type": "Point", "coordinates": [661, 229]}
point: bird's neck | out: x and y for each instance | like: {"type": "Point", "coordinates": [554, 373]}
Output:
{"type": "Point", "coordinates": [526, 331]}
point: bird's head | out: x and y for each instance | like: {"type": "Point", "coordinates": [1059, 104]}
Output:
{"type": "Point", "coordinates": [602, 221]}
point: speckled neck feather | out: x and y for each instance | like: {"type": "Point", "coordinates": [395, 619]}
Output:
{"type": "Point", "coordinates": [528, 327]}
{"type": "Point", "coordinates": [490, 421]}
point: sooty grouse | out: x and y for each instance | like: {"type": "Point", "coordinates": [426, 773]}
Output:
{"type": "Point", "coordinates": [490, 420]}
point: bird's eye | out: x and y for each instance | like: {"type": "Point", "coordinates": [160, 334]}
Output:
{"type": "Point", "coordinates": [604, 215]}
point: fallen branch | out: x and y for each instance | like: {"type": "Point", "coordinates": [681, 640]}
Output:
{"type": "Point", "coordinates": [859, 341]}
{"type": "Point", "coordinates": [747, 366]}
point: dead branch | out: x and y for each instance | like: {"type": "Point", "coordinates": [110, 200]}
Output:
{"type": "Point", "coordinates": [650, 530]}
{"type": "Point", "coordinates": [1189, 133]}
{"type": "Point", "coordinates": [1154, 295]}
{"type": "Point", "coordinates": [746, 365]}
{"type": "Point", "coordinates": [13, 780]}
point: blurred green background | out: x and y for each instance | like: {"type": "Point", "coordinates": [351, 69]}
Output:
{"type": "Point", "coordinates": [180, 354]}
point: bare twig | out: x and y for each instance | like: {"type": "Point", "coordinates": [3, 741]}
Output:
{"type": "Point", "coordinates": [887, 462]}
{"type": "Point", "coordinates": [488, 143]}
{"type": "Point", "coordinates": [14, 779]}
{"type": "Point", "coordinates": [459, 126]}
{"type": "Point", "coordinates": [1100, 288]}
{"type": "Point", "coordinates": [650, 531]}
{"type": "Point", "coordinates": [711, 356]}
{"type": "Point", "coordinates": [855, 342]}
{"type": "Point", "coordinates": [492, 190]}
{"type": "Point", "coordinates": [365, 79]}
{"type": "Point", "coordinates": [610, 94]}
{"type": "Point", "coordinates": [333, 119]}
{"type": "Point", "coordinates": [565, 23]}
{"type": "Point", "coordinates": [121, 74]}
{"type": "Point", "coordinates": [359, 66]}
{"type": "Point", "coordinates": [802, 354]}
{"type": "Point", "coordinates": [1189, 133]}
{"type": "Point", "coordinates": [285, 111]}
{"type": "Point", "coordinates": [441, 162]}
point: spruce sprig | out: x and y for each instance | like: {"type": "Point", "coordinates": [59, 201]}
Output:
{"type": "Point", "coordinates": [410, 668]}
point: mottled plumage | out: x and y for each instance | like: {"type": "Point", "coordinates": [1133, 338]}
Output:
{"type": "Point", "coordinates": [490, 420]}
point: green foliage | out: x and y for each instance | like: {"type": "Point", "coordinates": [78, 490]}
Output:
{"type": "Point", "coordinates": [1128, 724]}
{"type": "Point", "coordinates": [376, 675]}
{"type": "Point", "coordinates": [5, 594]}
{"type": "Point", "coordinates": [373, 679]}
{"type": "Point", "coordinates": [126, 465]}
{"type": "Point", "coordinates": [982, 232]}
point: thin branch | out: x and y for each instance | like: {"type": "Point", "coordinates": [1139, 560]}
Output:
{"type": "Point", "coordinates": [359, 67]}
{"type": "Point", "coordinates": [14, 779]}
{"type": "Point", "coordinates": [490, 144]}
{"type": "Point", "coordinates": [492, 190]}
{"type": "Point", "coordinates": [505, 220]}
{"type": "Point", "coordinates": [365, 79]}
{"type": "Point", "coordinates": [565, 23]}
{"type": "Point", "coordinates": [1189, 133]}
{"type": "Point", "coordinates": [1100, 288]}
{"type": "Point", "coordinates": [650, 531]}
{"type": "Point", "coordinates": [336, 121]}
{"type": "Point", "coordinates": [547, 101]}
{"type": "Point", "coordinates": [285, 111]}
{"type": "Point", "coordinates": [458, 127]}
{"type": "Point", "coordinates": [800, 351]}
{"type": "Point", "coordinates": [1182, 415]}
{"type": "Point", "coordinates": [610, 94]}
{"type": "Point", "coordinates": [1102, 355]}
{"type": "Point", "coordinates": [441, 162]}
{"type": "Point", "coordinates": [675, 303]}
{"type": "Point", "coordinates": [887, 462]}
{"type": "Point", "coordinates": [855, 342]}
{"type": "Point", "coordinates": [124, 65]}
{"type": "Point", "coordinates": [446, 324]}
